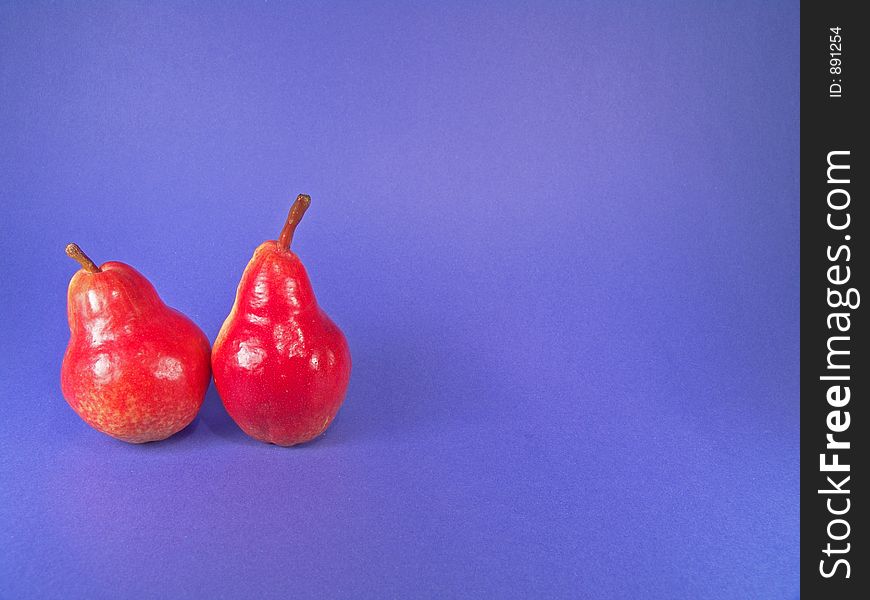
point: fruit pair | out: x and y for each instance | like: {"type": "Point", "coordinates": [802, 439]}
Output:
{"type": "Point", "coordinates": [138, 370]}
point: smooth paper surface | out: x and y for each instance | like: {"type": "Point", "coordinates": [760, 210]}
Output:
{"type": "Point", "coordinates": [562, 241]}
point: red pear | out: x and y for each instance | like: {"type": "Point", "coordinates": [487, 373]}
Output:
{"type": "Point", "coordinates": [281, 366]}
{"type": "Point", "coordinates": [134, 368]}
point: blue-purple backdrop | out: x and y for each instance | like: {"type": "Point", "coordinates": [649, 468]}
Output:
{"type": "Point", "coordinates": [562, 241]}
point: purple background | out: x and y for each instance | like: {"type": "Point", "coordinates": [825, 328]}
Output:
{"type": "Point", "coordinates": [562, 242]}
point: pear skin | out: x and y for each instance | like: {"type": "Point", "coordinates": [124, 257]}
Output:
{"type": "Point", "coordinates": [134, 368]}
{"type": "Point", "coordinates": [281, 366]}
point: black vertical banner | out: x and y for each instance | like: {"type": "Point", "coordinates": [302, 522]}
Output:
{"type": "Point", "coordinates": [834, 367]}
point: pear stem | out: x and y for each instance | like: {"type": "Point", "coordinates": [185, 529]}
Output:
{"type": "Point", "coordinates": [76, 253]}
{"type": "Point", "coordinates": [303, 201]}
